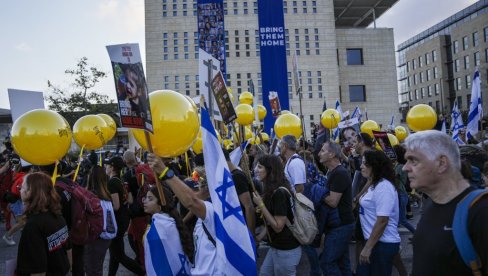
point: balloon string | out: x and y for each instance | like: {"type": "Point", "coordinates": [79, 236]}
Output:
{"type": "Point", "coordinates": [187, 164]}
{"type": "Point", "coordinates": [79, 163]}
{"type": "Point", "coordinates": [101, 164]}
{"type": "Point", "coordinates": [55, 173]}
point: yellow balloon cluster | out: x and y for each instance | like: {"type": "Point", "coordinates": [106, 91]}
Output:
{"type": "Point", "coordinates": [288, 124]}
{"type": "Point", "coordinates": [175, 121]}
{"type": "Point", "coordinates": [246, 98]}
{"type": "Point", "coordinates": [330, 118]}
{"type": "Point", "coordinates": [256, 141]}
{"type": "Point", "coordinates": [87, 132]}
{"type": "Point", "coordinates": [245, 114]}
{"type": "Point", "coordinates": [401, 133]}
{"type": "Point", "coordinates": [41, 137]}
{"type": "Point", "coordinates": [111, 129]}
{"type": "Point", "coordinates": [369, 126]}
{"type": "Point", "coordinates": [247, 134]}
{"type": "Point", "coordinates": [421, 117]}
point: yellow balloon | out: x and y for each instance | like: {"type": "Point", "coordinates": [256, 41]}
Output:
{"type": "Point", "coordinates": [265, 136]}
{"type": "Point", "coordinates": [41, 137]}
{"type": "Point", "coordinates": [369, 126]}
{"type": "Point", "coordinates": [111, 129]}
{"type": "Point", "coordinates": [246, 98]}
{"type": "Point", "coordinates": [228, 143]}
{"type": "Point", "coordinates": [285, 112]}
{"type": "Point", "coordinates": [88, 132]}
{"type": "Point", "coordinates": [198, 146]}
{"type": "Point", "coordinates": [261, 112]}
{"type": "Point", "coordinates": [393, 140]}
{"type": "Point", "coordinates": [176, 124]}
{"type": "Point", "coordinates": [247, 134]}
{"type": "Point", "coordinates": [192, 102]}
{"type": "Point", "coordinates": [401, 133]}
{"type": "Point", "coordinates": [421, 117]}
{"type": "Point", "coordinates": [330, 118]}
{"type": "Point", "coordinates": [245, 114]}
{"type": "Point", "coordinates": [288, 124]}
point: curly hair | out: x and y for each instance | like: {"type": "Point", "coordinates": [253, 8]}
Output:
{"type": "Point", "coordinates": [275, 175]}
{"type": "Point", "coordinates": [170, 208]}
{"type": "Point", "coordinates": [43, 197]}
{"type": "Point", "coordinates": [381, 167]}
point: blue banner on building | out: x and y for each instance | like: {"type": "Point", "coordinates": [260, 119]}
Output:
{"type": "Point", "coordinates": [273, 57]}
{"type": "Point", "coordinates": [211, 34]}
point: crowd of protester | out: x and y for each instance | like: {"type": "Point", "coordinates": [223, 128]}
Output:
{"type": "Point", "coordinates": [365, 198]}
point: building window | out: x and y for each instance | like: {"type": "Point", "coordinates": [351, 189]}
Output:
{"type": "Point", "coordinates": [458, 86]}
{"type": "Point", "coordinates": [477, 59]}
{"type": "Point", "coordinates": [460, 101]}
{"type": "Point", "coordinates": [429, 91]}
{"type": "Point", "coordinates": [429, 76]}
{"type": "Point", "coordinates": [465, 43]}
{"type": "Point", "coordinates": [434, 55]}
{"type": "Point", "coordinates": [422, 92]}
{"type": "Point", "coordinates": [416, 94]}
{"type": "Point", "coordinates": [414, 64]}
{"type": "Point", "coordinates": [414, 79]}
{"type": "Point", "coordinates": [456, 65]}
{"type": "Point", "coordinates": [354, 56]}
{"type": "Point", "coordinates": [421, 77]}
{"type": "Point", "coordinates": [357, 93]}
{"type": "Point", "coordinates": [455, 47]}
{"type": "Point", "coordinates": [486, 54]}
{"type": "Point", "coordinates": [485, 31]}
{"type": "Point", "coordinates": [421, 63]}
{"type": "Point", "coordinates": [427, 58]}
{"type": "Point", "coordinates": [467, 80]}
{"type": "Point", "coordinates": [436, 73]}
{"type": "Point", "coordinates": [436, 89]}
{"type": "Point", "coordinates": [475, 39]}
{"type": "Point", "coordinates": [466, 62]}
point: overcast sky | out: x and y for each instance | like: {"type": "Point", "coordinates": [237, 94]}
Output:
{"type": "Point", "coordinates": [41, 39]}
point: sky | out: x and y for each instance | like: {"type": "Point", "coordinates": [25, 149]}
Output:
{"type": "Point", "coordinates": [41, 39]}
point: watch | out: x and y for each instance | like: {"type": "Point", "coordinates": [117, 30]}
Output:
{"type": "Point", "coordinates": [168, 175]}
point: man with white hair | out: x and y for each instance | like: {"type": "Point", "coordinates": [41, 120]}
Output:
{"type": "Point", "coordinates": [433, 167]}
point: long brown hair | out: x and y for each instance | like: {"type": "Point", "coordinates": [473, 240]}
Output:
{"type": "Point", "coordinates": [185, 235]}
{"type": "Point", "coordinates": [43, 197]}
{"type": "Point", "coordinates": [275, 175]}
{"type": "Point", "coordinates": [97, 183]}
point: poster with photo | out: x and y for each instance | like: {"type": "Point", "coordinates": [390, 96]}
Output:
{"type": "Point", "coordinates": [381, 138]}
{"type": "Point", "coordinates": [131, 86]}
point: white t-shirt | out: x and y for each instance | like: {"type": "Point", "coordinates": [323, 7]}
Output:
{"type": "Point", "coordinates": [295, 171]}
{"type": "Point", "coordinates": [205, 251]}
{"type": "Point", "coordinates": [380, 201]}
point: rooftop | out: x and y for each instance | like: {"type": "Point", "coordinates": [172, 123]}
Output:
{"type": "Point", "coordinates": [359, 13]}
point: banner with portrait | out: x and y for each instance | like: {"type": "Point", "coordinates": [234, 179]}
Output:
{"type": "Point", "coordinates": [211, 34]}
{"type": "Point", "coordinates": [273, 57]}
{"type": "Point", "coordinates": [131, 86]}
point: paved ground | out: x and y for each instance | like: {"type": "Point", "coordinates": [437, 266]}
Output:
{"type": "Point", "coordinates": [10, 252]}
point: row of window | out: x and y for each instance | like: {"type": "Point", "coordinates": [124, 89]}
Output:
{"type": "Point", "coordinates": [475, 40]}
{"type": "Point", "coordinates": [421, 93]}
{"type": "Point", "coordinates": [423, 76]}
{"type": "Point", "coordinates": [458, 85]}
{"type": "Point", "coordinates": [427, 58]}
{"type": "Point", "coordinates": [245, 8]}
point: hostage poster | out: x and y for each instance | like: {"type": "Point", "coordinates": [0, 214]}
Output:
{"type": "Point", "coordinates": [131, 87]}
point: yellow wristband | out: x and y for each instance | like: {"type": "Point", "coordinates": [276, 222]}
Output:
{"type": "Point", "coordinates": [161, 176]}
{"type": "Point", "coordinates": [261, 205]}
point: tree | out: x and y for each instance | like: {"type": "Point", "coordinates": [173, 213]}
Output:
{"type": "Point", "coordinates": [83, 98]}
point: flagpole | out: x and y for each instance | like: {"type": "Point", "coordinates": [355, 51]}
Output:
{"type": "Point", "coordinates": [158, 184]}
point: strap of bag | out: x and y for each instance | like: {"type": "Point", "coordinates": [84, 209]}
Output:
{"type": "Point", "coordinates": [460, 230]}
{"type": "Point", "coordinates": [288, 223]}
{"type": "Point", "coordinates": [212, 240]}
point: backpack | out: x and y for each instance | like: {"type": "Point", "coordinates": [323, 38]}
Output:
{"type": "Point", "coordinates": [460, 230]}
{"type": "Point", "coordinates": [304, 227]}
{"type": "Point", "coordinates": [86, 213]}
{"type": "Point", "coordinates": [109, 230]}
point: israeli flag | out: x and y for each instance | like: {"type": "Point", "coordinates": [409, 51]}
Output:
{"type": "Point", "coordinates": [357, 113]}
{"type": "Point", "coordinates": [443, 128]}
{"type": "Point", "coordinates": [475, 108]}
{"type": "Point", "coordinates": [456, 123]}
{"type": "Point", "coordinates": [236, 155]}
{"type": "Point", "coordinates": [392, 122]}
{"type": "Point", "coordinates": [337, 130]}
{"type": "Point", "coordinates": [235, 246]}
{"type": "Point", "coordinates": [162, 248]}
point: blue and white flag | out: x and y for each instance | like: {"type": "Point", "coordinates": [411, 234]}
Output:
{"type": "Point", "coordinates": [357, 113]}
{"type": "Point", "coordinates": [475, 108]}
{"type": "Point", "coordinates": [456, 123]}
{"type": "Point", "coordinates": [337, 130]}
{"type": "Point", "coordinates": [235, 246]}
{"type": "Point", "coordinates": [392, 122]}
{"type": "Point", "coordinates": [443, 128]}
{"type": "Point", "coordinates": [236, 155]}
{"type": "Point", "coordinates": [162, 248]}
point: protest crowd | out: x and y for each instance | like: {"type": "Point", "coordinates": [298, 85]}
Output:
{"type": "Point", "coordinates": [358, 194]}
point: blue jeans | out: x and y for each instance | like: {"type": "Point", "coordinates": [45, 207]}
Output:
{"type": "Point", "coordinates": [313, 260]}
{"type": "Point", "coordinates": [281, 262]}
{"type": "Point", "coordinates": [380, 261]}
{"type": "Point", "coordinates": [334, 259]}
{"type": "Point", "coordinates": [403, 198]}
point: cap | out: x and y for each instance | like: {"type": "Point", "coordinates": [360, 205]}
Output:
{"type": "Point", "coordinates": [117, 162]}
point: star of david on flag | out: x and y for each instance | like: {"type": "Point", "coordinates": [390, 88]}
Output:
{"type": "Point", "coordinates": [235, 247]}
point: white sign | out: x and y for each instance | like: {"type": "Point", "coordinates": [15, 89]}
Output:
{"type": "Point", "coordinates": [22, 101]}
{"type": "Point", "coordinates": [204, 82]}
{"type": "Point", "coordinates": [348, 123]}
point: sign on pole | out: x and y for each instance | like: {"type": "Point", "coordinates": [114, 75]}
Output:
{"type": "Point", "coordinates": [222, 99]}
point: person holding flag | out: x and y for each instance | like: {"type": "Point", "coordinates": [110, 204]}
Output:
{"type": "Point", "coordinates": [456, 124]}
{"type": "Point", "coordinates": [475, 108]}
{"type": "Point", "coordinates": [224, 245]}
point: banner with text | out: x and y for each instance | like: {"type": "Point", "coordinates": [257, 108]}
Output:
{"type": "Point", "coordinates": [273, 56]}
{"type": "Point", "coordinates": [211, 36]}
{"type": "Point", "coordinates": [131, 86]}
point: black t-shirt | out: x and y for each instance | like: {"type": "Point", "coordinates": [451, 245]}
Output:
{"type": "Point", "coordinates": [339, 181]}
{"type": "Point", "coordinates": [241, 183]}
{"type": "Point", "coordinates": [43, 245]}
{"type": "Point", "coordinates": [279, 205]}
{"type": "Point", "coordinates": [434, 249]}
{"type": "Point", "coordinates": [115, 186]}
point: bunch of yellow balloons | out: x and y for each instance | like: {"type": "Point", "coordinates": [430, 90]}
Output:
{"type": "Point", "coordinates": [175, 121]}
{"type": "Point", "coordinates": [421, 117]}
{"type": "Point", "coordinates": [41, 137]}
{"type": "Point", "coordinates": [288, 124]}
